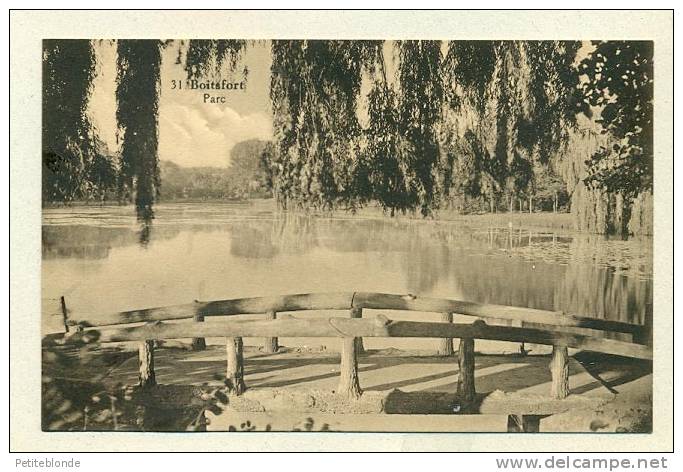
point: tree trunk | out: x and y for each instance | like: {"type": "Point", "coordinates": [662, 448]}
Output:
{"type": "Point", "coordinates": [559, 369]}
{"type": "Point", "coordinates": [531, 204]}
{"type": "Point", "coordinates": [349, 384]}
{"type": "Point", "coordinates": [235, 365]}
{"type": "Point", "coordinates": [65, 313]}
{"type": "Point", "coordinates": [358, 313]}
{"type": "Point", "coordinates": [465, 389]}
{"type": "Point", "coordinates": [446, 344]}
{"type": "Point", "coordinates": [270, 345]}
{"type": "Point", "coordinates": [147, 378]}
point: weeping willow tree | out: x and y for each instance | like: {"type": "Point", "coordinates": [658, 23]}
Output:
{"type": "Point", "coordinates": [593, 210]}
{"type": "Point", "coordinates": [137, 96]}
{"type": "Point", "coordinates": [314, 92]}
{"type": "Point", "coordinates": [419, 111]}
{"type": "Point", "coordinates": [540, 80]}
{"type": "Point", "coordinates": [384, 177]}
{"type": "Point", "coordinates": [68, 141]}
{"type": "Point", "coordinates": [468, 68]}
{"type": "Point", "coordinates": [478, 119]}
{"type": "Point", "coordinates": [206, 56]}
{"type": "Point", "coordinates": [324, 158]}
{"type": "Point", "coordinates": [607, 164]}
{"type": "Point", "coordinates": [508, 108]}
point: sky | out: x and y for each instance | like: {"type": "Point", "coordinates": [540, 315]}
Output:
{"type": "Point", "coordinates": [191, 132]}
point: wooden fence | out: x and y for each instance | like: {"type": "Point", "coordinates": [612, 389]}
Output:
{"type": "Point", "coordinates": [547, 327]}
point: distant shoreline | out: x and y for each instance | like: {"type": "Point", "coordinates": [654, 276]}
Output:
{"type": "Point", "coordinates": [90, 203]}
{"type": "Point", "coordinates": [544, 219]}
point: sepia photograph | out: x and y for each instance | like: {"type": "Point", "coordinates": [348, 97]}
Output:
{"type": "Point", "coordinates": [347, 235]}
{"type": "Point", "coordinates": [341, 231]}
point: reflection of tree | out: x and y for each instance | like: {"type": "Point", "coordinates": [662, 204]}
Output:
{"type": "Point", "coordinates": [252, 240]}
{"type": "Point", "coordinates": [603, 293]}
{"type": "Point", "coordinates": [618, 289]}
{"type": "Point", "coordinates": [503, 266]}
{"type": "Point", "coordinates": [94, 242]}
{"type": "Point", "coordinates": [295, 233]}
{"type": "Point", "coordinates": [145, 232]}
{"type": "Point", "coordinates": [587, 275]}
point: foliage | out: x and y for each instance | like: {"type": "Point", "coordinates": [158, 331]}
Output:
{"type": "Point", "coordinates": [248, 176]}
{"type": "Point", "coordinates": [195, 183]}
{"type": "Point", "coordinates": [137, 96]}
{"type": "Point", "coordinates": [71, 405]}
{"type": "Point", "coordinates": [468, 70]}
{"type": "Point", "coordinates": [103, 172]}
{"type": "Point", "coordinates": [384, 177]}
{"type": "Point", "coordinates": [67, 134]}
{"type": "Point", "coordinates": [619, 81]}
{"type": "Point", "coordinates": [552, 89]}
{"type": "Point", "coordinates": [248, 171]}
{"type": "Point", "coordinates": [510, 103]}
{"type": "Point", "coordinates": [204, 56]}
{"type": "Point", "coordinates": [463, 120]}
{"type": "Point", "coordinates": [314, 91]}
{"type": "Point", "coordinates": [419, 111]}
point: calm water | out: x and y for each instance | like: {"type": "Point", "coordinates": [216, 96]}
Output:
{"type": "Point", "coordinates": [93, 256]}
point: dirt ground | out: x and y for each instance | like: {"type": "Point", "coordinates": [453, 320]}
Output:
{"type": "Point", "coordinates": [403, 390]}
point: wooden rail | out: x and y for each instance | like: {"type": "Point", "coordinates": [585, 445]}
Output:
{"type": "Point", "coordinates": [380, 326]}
{"type": "Point", "coordinates": [550, 328]}
{"type": "Point", "coordinates": [347, 301]}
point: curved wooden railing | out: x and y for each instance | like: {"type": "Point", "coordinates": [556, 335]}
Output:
{"type": "Point", "coordinates": [547, 327]}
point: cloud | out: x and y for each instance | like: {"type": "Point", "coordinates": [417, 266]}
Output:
{"type": "Point", "coordinates": [198, 134]}
{"type": "Point", "coordinates": [191, 133]}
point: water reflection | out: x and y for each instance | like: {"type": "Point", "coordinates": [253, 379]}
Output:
{"type": "Point", "coordinates": [224, 251]}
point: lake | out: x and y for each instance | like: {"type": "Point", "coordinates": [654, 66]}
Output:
{"type": "Point", "coordinates": [100, 261]}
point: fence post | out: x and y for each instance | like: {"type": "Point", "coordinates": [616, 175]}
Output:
{"type": "Point", "coordinates": [235, 365]}
{"type": "Point", "coordinates": [348, 379]}
{"type": "Point", "coordinates": [559, 370]}
{"type": "Point", "coordinates": [65, 316]}
{"type": "Point", "coordinates": [270, 345]}
{"type": "Point", "coordinates": [446, 344]}
{"type": "Point", "coordinates": [147, 377]}
{"type": "Point", "coordinates": [358, 313]}
{"type": "Point", "coordinates": [198, 344]}
{"type": "Point", "coordinates": [466, 390]}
